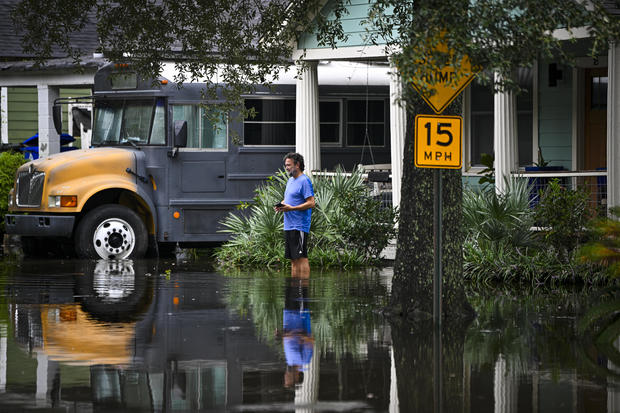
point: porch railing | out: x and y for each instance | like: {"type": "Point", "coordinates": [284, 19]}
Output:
{"type": "Point", "coordinates": [378, 179]}
{"type": "Point", "coordinates": [593, 182]}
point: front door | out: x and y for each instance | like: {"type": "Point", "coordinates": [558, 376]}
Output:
{"type": "Point", "coordinates": [595, 133]}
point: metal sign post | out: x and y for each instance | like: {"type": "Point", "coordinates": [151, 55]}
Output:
{"type": "Point", "coordinates": [437, 281]}
{"type": "Point", "coordinates": [438, 146]}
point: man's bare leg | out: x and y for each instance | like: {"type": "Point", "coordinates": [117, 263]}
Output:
{"type": "Point", "coordinates": [300, 268]}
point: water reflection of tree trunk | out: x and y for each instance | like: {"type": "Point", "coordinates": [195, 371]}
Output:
{"type": "Point", "coordinates": [413, 356]}
{"type": "Point", "coordinates": [307, 394]}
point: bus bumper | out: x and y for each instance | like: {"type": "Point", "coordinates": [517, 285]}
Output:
{"type": "Point", "coordinates": [39, 225]}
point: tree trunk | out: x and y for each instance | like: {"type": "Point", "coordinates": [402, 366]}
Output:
{"type": "Point", "coordinates": [415, 341]}
{"type": "Point", "coordinates": [412, 284]}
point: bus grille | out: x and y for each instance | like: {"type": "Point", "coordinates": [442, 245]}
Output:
{"type": "Point", "coordinates": [30, 188]}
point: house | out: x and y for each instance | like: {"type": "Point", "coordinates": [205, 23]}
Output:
{"type": "Point", "coordinates": [569, 113]}
{"type": "Point", "coordinates": [27, 91]}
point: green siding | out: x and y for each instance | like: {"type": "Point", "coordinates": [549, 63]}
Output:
{"type": "Point", "coordinates": [357, 12]}
{"type": "Point", "coordinates": [22, 116]}
{"type": "Point", "coordinates": [23, 111]}
{"type": "Point", "coordinates": [555, 118]}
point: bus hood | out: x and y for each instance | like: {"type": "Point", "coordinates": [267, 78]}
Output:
{"type": "Point", "coordinates": [89, 158]}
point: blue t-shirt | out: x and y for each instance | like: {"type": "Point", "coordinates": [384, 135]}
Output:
{"type": "Point", "coordinates": [297, 191]}
{"type": "Point", "coordinates": [298, 348]}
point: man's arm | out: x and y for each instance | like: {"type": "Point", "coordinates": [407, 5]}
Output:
{"type": "Point", "coordinates": [301, 207]}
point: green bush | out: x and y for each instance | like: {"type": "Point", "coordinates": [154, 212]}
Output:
{"type": "Point", "coordinates": [564, 215]}
{"type": "Point", "coordinates": [604, 245]}
{"type": "Point", "coordinates": [349, 228]}
{"type": "Point", "coordinates": [502, 246]}
{"type": "Point", "coordinates": [9, 162]}
{"type": "Point", "coordinates": [499, 220]}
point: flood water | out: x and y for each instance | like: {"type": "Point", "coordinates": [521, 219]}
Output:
{"type": "Point", "coordinates": [116, 336]}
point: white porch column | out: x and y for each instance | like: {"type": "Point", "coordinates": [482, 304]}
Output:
{"type": "Point", "coordinates": [49, 140]}
{"type": "Point", "coordinates": [3, 350]}
{"type": "Point", "coordinates": [307, 394]}
{"type": "Point", "coordinates": [613, 126]}
{"type": "Point", "coordinates": [4, 114]}
{"type": "Point", "coordinates": [504, 137]}
{"type": "Point", "coordinates": [505, 387]}
{"type": "Point", "coordinates": [307, 137]}
{"type": "Point", "coordinates": [42, 378]}
{"type": "Point", "coordinates": [398, 126]}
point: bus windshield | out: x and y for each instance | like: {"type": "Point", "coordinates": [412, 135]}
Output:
{"type": "Point", "coordinates": [137, 122]}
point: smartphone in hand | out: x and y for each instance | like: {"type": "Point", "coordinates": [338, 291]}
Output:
{"type": "Point", "coordinates": [279, 205]}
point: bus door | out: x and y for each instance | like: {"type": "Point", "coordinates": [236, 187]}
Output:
{"type": "Point", "coordinates": [197, 177]}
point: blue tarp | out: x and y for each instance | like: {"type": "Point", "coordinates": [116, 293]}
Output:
{"type": "Point", "coordinates": [30, 147]}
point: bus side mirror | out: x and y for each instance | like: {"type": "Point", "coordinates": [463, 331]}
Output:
{"type": "Point", "coordinates": [180, 133]}
{"type": "Point", "coordinates": [180, 137]}
{"type": "Point", "coordinates": [57, 116]}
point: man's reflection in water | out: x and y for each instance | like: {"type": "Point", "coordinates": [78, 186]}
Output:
{"type": "Point", "coordinates": [296, 332]}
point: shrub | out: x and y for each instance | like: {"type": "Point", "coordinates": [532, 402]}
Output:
{"type": "Point", "coordinates": [604, 245]}
{"type": "Point", "coordinates": [349, 228]}
{"type": "Point", "coordinates": [501, 245]}
{"type": "Point", "coordinates": [499, 220]}
{"type": "Point", "coordinates": [9, 162]}
{"type": "Point", "coordinates": [564, 215]}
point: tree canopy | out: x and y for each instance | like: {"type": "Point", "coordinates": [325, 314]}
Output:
{"type": "Point", "coordinates": [237, 43]}
{"type": "Point", "coordinates": [247, 42]}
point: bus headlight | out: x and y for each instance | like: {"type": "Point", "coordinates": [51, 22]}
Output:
{"type": "Point", "coordinates": [10, 198]}
{"type": "Point", "coordinates": [58, 201]}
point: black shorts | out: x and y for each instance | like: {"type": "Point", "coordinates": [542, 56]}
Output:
{"type": "Point", "coordinates": [295, 244]}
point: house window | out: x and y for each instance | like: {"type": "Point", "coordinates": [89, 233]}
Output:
{"type": "Point", "coordinates": [274, 123]}
{"type": "Point", "coordinates": [201, 133]}
{"type": "Point", "coordinates": [481, 120]}
{"type": "Point", "coordinates": [329, 116]}
{"type": "Point", "coordinates": [599, 92]}
{"type": "Point", "coordinates": [366, 115]}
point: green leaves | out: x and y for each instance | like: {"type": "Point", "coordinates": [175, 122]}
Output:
{"type": "Point", "coordinates": [9, 162]}
{"type": "Point", "coordinates": [502, 244]}
{"type": "Point", "coordinates": [349, 228]}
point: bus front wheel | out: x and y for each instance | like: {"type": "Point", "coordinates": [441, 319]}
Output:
{"type": "Point", "coordinates": [111, 232]}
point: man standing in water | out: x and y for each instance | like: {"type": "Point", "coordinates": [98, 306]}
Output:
{"type": "Point", "coordinates": [297, 207]}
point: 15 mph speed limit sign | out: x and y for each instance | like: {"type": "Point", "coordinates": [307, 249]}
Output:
{"type": "Point", "coordinates": [438, 141]}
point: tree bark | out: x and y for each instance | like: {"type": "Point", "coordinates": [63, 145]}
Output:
{"type": "Point", "coordinates": [412, 284]}
{"type": "Point", "coordinates": [415, 340]}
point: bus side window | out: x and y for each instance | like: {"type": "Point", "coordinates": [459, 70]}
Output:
{"type": "Point", "coordinates": [200, 131]}
{"type": "Point", "coordinates": [158, 133]}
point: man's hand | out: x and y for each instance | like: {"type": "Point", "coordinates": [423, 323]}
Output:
{"type": "Point", "coordinates": [282, 207]}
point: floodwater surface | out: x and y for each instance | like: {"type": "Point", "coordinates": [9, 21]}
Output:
{"type": "Point", "coordinates": [159, 336]}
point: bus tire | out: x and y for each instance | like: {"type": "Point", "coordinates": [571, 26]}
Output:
{"type": "Point", "coordinates": [111, 232]}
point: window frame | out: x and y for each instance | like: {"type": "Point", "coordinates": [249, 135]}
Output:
{"type": "Point", "coordinates": [124, 99]}
{"type": "Point", "coordinates": [200, 107]}
{"type": "Point", "coordinates": [339, 143]}
{"type": "Point", "coordinates": [385, 122]}
{"type": "Point", "coordinates": [262, 122]}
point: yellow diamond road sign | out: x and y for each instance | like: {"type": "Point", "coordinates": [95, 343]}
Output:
{"type": "Point", "coordinates": [438, 141]}
{"type": "Point", "coordinates": [441, 87]}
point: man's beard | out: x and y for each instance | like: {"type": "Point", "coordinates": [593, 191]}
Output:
{"type": "Point", "coordinates": [291, 173]}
